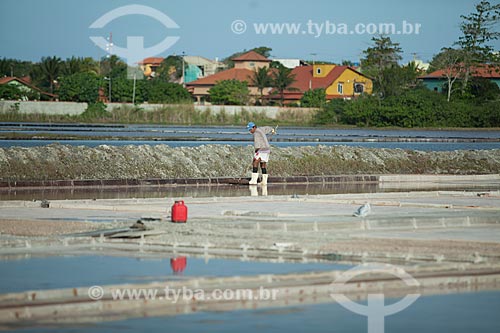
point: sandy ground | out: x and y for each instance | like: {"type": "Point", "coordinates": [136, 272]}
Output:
{"type": "Point", "coordinates": [430, 247]}
{"type": "Point", "coordinates": [197, 233]}
{"type": "Point", "coordinates": [33, 228]}
{"type": "Point", "coordinates": [437, 226]}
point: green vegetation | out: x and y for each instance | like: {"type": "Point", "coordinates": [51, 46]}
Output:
{"type": "Point", "coordinates": [261, 80]}
{"type": "Point", "coordinates": [230, 92]}
{"type": "Point", "coordinates": [170, 69]}
{"type": "Point", "coordinates": [413, 108]}
{"type": "Point", "coordinates": [80, 87]}
{"type": "Point", "coordinates": [10, 92]}
{"type": "Point", "coordinates": [50, 67]}
{"type": "Point", "coordinates": [315, 98]}
{"type": "Point", "coordinates": [160, 92]}
{"type": "Point", "coordinates": [479, 29]}
{"type": "Point", "coordinates": [281, 80]}
{"type": "Point", "coordinates": [381, 64]}
{"type": "Point", "coordinates": [95, 111]}
{"type": "Point", "coordinates": [81, 79]}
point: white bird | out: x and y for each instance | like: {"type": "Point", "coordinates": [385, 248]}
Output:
{"type": "Point", "coordinates": [363, 210]}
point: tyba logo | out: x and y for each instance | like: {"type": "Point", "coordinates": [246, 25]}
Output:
{"type": "Point", "coordinates": [135, 50]}
{"type": "Point", "coordinates": [375, 310]}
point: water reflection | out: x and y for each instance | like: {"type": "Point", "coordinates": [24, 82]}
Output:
{"type": "Point", "coordinates": [422, 146]}
{"type": "Point", "coordinates": [67, 271]}
{"type": "Point", "coordinates": [183, 191]}
{"type": "Point", "coordinates": [239, 132]}
{"type": "Point", "coordinates": [258, 190]}
{"type": "Point", "coordinates": [189, 191]}
{"type": "Point", "coordinates": [458, 313]}
{"type": "Point", "coordinates": [178, 265]}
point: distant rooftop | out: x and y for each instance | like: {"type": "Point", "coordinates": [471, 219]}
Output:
{"type": "Point", "coordinates": [155, 61]}
{"type": "Point", "coordinates": [251, 56]}
{"type": "Point", "coordinates": [484, 71]}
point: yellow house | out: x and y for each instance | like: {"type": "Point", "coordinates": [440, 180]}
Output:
{"type": "Point", "coordinates": [150, 65]}
{"type": "Point", "coordinates": [338, 82]}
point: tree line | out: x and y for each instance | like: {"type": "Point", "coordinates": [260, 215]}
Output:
{"type": "Point", "coordinates": [80, 79]}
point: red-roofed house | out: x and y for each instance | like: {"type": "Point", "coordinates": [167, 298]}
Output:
{"type": "Point", "coordinates": [437, 79]}
{"type": "Point", "coordinates": [251, 60]}
{"type": "Point", "coordinates": [25, 86]}
{"type": "Point", "coordinates": [338, 82]}
{"type": "Point", "coordinates": [244, 67]}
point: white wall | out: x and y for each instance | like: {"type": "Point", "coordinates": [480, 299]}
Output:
{"type": "Point", "coordinates": [71, 108]}
{"type": "Point", "coordinates": [58, 108]}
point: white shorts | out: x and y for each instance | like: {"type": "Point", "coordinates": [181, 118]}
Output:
{"type": "Point", "coordinates": [263, 155]}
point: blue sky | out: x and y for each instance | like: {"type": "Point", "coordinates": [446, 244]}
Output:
{"type": "Point", "coordinates": [31, 29]}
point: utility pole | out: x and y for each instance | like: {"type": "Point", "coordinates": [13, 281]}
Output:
{"type": "Point", "coordinates": [183, 70]}
{"type": "Point", "coordinates": [109, 48]}
{"type": "Point", "coordinates": [133, 90]}
{"type": "Point", "coordinates": [313, 56]}
{"type": "Point", "coordinates": [110, 88]}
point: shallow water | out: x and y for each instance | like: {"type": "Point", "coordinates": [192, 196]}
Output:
{"type": "Point", "coordinates": [234, 132]}
{"type": "Point", "coordinates": [223, 191]}
{"type": "Point", "coordinates": [36, 273]}
{"type": "Point", "coordinates": [176, 136]}
{"type": "Point", "coordinates": [458, 313]}
{"type": "Point", "coordinates": [423, 146]}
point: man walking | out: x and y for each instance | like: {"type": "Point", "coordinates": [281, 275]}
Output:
{"type": "Point", "coordinates": [262, 151]}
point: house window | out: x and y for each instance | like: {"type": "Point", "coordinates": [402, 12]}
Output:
{"type": "Point", "coordinates": [318, 71]}
{"type": "Point", "coordinates": [252, 64]}
{"type": "Point", "coordinates": [340, 88]}
{"type": "Point", "coordinates": [359, 88]}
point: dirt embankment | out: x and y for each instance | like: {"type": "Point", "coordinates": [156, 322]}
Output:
{"type": "Point", "coordinates": [63, 162]}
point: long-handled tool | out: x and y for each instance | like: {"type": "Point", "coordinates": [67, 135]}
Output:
{"type": "Point", "coordinates": [275, 130]}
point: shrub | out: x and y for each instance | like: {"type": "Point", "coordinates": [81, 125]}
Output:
{"type": "Point", "coordinates": [95, 111]}
{"type": "Point", "coordinates": [80, 87]}
{"type": "Point", "coordinates": [230, 92]}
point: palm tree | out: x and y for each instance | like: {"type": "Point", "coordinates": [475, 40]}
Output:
{"type": "Point", "coordinates": [261, 80]}
{"type": "Point", "coordinates": [50, 67]}
{"type": "Point", "coordinates": [170, 69]}
{"type": "Point", "coordinates": [75, 65]}
{"type": "Point", "coordinates": [6, 67]}
{"type": "Point", "coordinates": [282, 80]}
{"type": "Point", "coordinates": [112, 66]}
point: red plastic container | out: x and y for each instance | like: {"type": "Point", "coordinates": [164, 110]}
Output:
{"type": "Point", "coordinates": [179, 212]}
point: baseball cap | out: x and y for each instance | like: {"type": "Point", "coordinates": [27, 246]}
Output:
{"type": "Point", "coordinates": [250, 125]}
